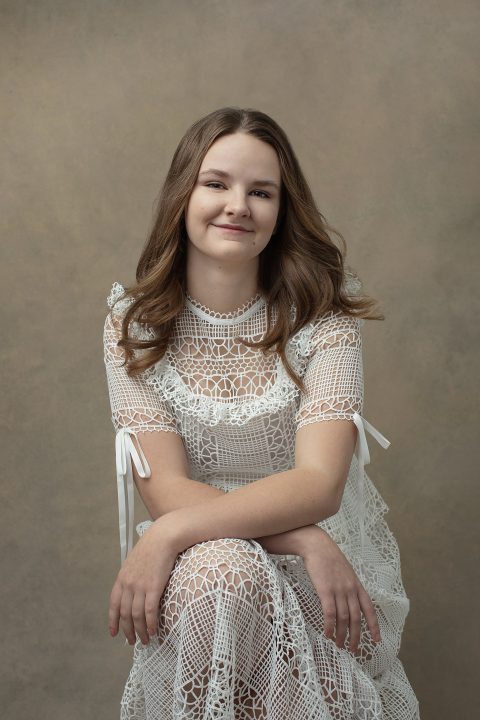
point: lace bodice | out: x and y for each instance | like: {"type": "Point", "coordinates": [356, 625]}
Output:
{"type": "Point", "coordinates": [237, 409]}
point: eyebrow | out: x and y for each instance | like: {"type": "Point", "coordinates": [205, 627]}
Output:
{"type": "Point", "coordinates": [222, 173]}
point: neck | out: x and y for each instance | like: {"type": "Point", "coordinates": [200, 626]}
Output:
{"type": "Point", "coordinates": [221, 288]}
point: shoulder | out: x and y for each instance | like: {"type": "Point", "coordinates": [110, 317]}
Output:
{"type": "Point", "coordinates": [335, 328]}
{"type": "Point", "coordinates": [332, 329]}
{"type": "Point", "coordinates": [116, 300]}
{"type": "Point", "coordinates": [119, 302]}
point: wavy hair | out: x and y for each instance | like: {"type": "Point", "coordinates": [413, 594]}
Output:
{"type": "Point", "coordinates": [300, 266]}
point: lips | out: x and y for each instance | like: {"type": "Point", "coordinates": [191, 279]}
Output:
{"type": "Point", "coordinates": [233, 228]}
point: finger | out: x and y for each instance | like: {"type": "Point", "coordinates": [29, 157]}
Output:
{"type": "Point", "coordinates": [152, 601]}
{"type": "Point", "coordinates": [343, 617]}
{"type": "Point", "coordinates": [329, 613]}
{"type": "Point", "coordinates": [114, 608]}
{"type": "Point", "coordinates": [126, 620]}
{"type": "Point", "coordinates": [355, 621]}
{"type": "Point", "coordinates": [138, 615]}
{"type": "Point", "coordinates": [370, 613]}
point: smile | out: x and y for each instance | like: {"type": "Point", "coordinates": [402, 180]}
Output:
{"type": "Point", "coordinates": [234, 231]}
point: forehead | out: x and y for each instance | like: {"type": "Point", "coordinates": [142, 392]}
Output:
{"type": "Point", "coordinates": [242, 154]}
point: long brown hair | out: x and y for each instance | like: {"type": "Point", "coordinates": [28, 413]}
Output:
{"type": "Point", "coordinates": [300, 266]}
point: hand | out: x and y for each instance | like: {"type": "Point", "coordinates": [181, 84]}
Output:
{"type": "Point", "coordinates": [140, 583]}
{"type": "Point", "coordinates": [341, 592]}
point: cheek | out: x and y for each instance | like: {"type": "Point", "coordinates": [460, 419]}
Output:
{"type": "Point", "coordinates": [200, 212]}
{"type": "Point", "coordinates": [207, 210]}
{"type": "Point", "coordinates": [198, 202]}
{"type": "Point", "coordinates": [204, 200]}
{"type": "Point", "coordinates": [268, 217]}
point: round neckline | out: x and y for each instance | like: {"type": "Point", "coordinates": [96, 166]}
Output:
{"type": "Point", "coordinates": [242, 312]}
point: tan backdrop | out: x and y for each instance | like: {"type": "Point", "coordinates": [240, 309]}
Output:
{"type": "Point", "coordinates": [380, 100]}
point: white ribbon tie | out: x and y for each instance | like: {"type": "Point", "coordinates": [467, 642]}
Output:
{"type": "Point", "coordinates": [363, 457]}
{"type": "Point", "coordinates": [125, 451]}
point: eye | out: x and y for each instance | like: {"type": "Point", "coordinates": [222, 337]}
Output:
{"type": "Point", "coordinates": [264, 194]}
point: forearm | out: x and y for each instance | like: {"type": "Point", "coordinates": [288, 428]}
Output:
{"type": "Point", "coordinates": [187, 493]}
{"type": "Point", "coordinates": [272, 505]}
{"type": "Point", "coordinates": [178, 493]}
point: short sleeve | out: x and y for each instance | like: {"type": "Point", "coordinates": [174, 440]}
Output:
{"type": "Point", "coordinates": [134, 403]}
{"type": "Point", "coordinates": [333, 375]}
{"type": "Point", "coordinates": [135, 407]}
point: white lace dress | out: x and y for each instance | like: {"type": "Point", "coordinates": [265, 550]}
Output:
{"type": "Point", "coordinates": [240, 631]}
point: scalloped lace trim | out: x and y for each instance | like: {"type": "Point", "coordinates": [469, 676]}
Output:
{"type": "Point", "coordinates": [115, 297]}
{"type": "Point", "coordinates": [240, 314]}
{"type": "Point", "coordinates": [165, 379]}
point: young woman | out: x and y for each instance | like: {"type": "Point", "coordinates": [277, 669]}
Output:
{"type": "Point", "coordinates": [267, 584]}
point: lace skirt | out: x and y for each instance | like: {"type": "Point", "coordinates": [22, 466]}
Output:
{"type": "Point", "coordinates": [240, 637]}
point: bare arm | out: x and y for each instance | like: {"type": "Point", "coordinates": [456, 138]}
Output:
{"type": "Point", "coordinates": [163, 494]}
{"type": "Point", "coordinates": [286, 500]}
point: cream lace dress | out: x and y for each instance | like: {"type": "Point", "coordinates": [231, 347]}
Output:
{"type": "Point", "coordinates": [240, 630]}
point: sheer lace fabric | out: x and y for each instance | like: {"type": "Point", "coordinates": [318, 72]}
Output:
{"type": "Point", "coordinates": [240, 631]}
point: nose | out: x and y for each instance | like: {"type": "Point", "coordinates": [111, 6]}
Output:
{"type": "Point", "coordinates": [236, 204]}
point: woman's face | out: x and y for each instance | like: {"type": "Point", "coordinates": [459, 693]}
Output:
{"type": "Point", "coordinates": [231, 188]}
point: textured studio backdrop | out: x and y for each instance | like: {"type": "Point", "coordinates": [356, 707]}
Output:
{"type": "Point", "coordinates": [380, 101]}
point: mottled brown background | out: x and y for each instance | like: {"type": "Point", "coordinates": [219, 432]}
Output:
{"type": "Point", "coordinates": [381, 101]}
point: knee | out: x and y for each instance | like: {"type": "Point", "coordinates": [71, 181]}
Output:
{"type": "Point", "coordinates": [227, 564]}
